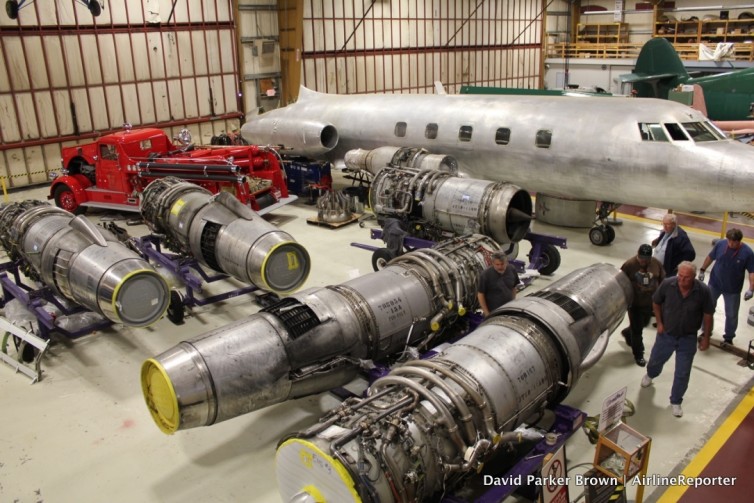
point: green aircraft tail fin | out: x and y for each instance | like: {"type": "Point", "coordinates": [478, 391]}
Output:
{"type": "Point", "coordinates": [658, 69]}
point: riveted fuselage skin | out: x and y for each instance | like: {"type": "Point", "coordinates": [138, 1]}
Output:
{"type": "Point", "coordinates": [596, 150]}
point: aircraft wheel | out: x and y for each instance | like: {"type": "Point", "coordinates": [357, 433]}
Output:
{"type": "Point", "coordinates": [550, 260]}
{"type": "Point", "coordinates": [380, 258]}
{"type": "Point", "coordinates": [65, 199]}
{"type": "Point", "coordinates": [95, 8]}
{"type": "Point", "coordinates": [175, 308]}
{"type": "Point", "coordinates": [610, 233]}
{"type": "Point", "coordinates": [598, 236]}
{"type": "Point", "coordinates": [11, 8]}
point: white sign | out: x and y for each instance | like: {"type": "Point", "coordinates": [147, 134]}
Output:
{"type": "Point", "coordinates": [555, 481]}
{"type": "Point", "coordinates": [618, 15]}
{"type": "Point", "coordinates": [612, 410]}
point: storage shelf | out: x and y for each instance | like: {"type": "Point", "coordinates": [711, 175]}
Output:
{"type": "Point", "coordinates": [602, 33]}
{"type": "Point", "coordinates": [702, 30]}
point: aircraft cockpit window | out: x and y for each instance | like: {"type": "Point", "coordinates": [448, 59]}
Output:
{"type": "Point", "coordinates": [652, 132]}
{"type": "Point", "coordinates": [543, 138]}
{"type": "Point", "coordinates": [400, 129]}
{"type": "Point", "coordinates": [715, 131]}
{"type": "Point", "coordinates": [676, 131]}
{"type": "Point", "coordinates": [698, 132]}
{"type": "Point", "coordinates": [464, 133]}
{"type": "Point", "coordinates": [430, 132]}
{"type": "Point", "coordinates": [502, 136]}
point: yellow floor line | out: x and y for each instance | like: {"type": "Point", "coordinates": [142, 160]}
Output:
{"type": "Point", "coordinates": [713, 445]}
{"type": "Point", "coordinates": [636, 218]}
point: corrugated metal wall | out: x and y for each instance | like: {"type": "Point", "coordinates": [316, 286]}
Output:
{"type": "Point", "coordinates": [405, 46]}
{"type": "Point", "coordinates": [67, 76]}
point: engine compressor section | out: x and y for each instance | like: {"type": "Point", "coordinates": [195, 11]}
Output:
{"type": "Point", "coordinates": [430, 423]}
{"type": "Point", "coordinates": [224, 234]}
{"type": "Point", "coordinates": [83, 263]}
{"type": "Point", "coordinates": [425, 192]}
{"type": "Point", "coordinates": [316, 339]}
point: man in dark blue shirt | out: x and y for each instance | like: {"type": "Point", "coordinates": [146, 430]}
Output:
{"type": "Point", "coordinates": [733, 259]}
{"type": "Point", "coordinates": [681, 305]}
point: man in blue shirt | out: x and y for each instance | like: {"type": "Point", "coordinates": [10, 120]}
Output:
{"type": "Point", "coordinates": [733, 259]}
{"type": "Point", "coordinates": [681, 305]}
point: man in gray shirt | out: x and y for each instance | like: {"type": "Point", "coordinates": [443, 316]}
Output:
{"type": "Point", "coordinates": [497, 284]}
{"type": "Point", "coordinates": [681, 305]}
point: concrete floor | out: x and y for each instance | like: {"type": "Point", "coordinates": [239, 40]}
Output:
{"type": "Point", "coordinates": [84, 434]}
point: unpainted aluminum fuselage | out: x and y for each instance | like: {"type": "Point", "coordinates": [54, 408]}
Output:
{"type": "Point", "coordinates": [596, 150]}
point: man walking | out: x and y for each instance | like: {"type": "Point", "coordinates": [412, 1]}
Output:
{"type": "Point", "coordinates": [646, 274]}
{"type": "Point", "coordinates": [681, 305]}
{"type": "Point", "coordinates": [733, 259]}
{"type": "Point", "coordinates": [673, 246]}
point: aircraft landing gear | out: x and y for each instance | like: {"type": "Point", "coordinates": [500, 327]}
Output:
{"type": "Point", "coordinates": [602, 234]}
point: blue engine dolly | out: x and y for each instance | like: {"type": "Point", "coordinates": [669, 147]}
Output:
{"type": "Point", "coordinates": [567, 420]}
{"type": "Point", "coordinates": [31, 344]}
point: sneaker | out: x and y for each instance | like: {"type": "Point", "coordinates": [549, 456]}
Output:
{"type": "Point", "coordinates": [646, 381]}
{"type": "Point", "coordinates": [677, 410]}
{"type": "Point", "coordinates": [726, 343]}
{"type": "Point", "coordinates": [641, 362]}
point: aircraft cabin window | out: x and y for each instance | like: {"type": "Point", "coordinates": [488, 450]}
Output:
{"type": "Point", "coordinates": [400, 129]}
{"type": "Point", "coordinates": [430, 132]}
{"type": "Point", "coordinates": [698, 132]}
{"type": "Point", "coordinates": [676, 131]}
{"type": "Point", "coordinates": [464, 133]}
{"type": "Point", "coordinates": [502, 136]}
{"type": "Point", "coordinates": [543, 138]}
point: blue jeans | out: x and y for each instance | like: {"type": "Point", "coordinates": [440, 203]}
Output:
{"type": "Point", "coordinates": [732, 303]}
{"type": "Point", "coordinates": [685, 349]}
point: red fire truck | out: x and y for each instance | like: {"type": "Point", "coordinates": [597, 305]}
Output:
{"type": "Point", "coordinates": [112, 171]}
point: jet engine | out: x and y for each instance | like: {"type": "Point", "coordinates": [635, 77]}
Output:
{"type": "Point", "coordinates": [424, 191]}
{"type": "Point", "coordinates": [429, 423]}
{"type": "Point", "coordinates": [316, 339]}
{"type": "Point", "coordinates": [306, 138]}
{"type": "Point", "coordinates": [224, 235]}
{"type": "Point", "coordinates": [83, 263]}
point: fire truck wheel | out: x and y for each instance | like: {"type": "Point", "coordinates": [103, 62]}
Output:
{"type": "Point", "coordinates": [65, 199]}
